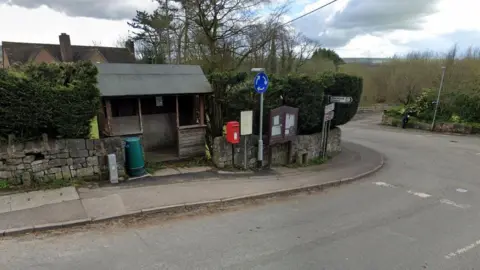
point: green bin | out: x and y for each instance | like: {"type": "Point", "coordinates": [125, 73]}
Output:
{"type": "Point", "coordinates": [134, 157]}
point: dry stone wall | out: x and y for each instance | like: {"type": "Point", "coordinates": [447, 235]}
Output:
{"type": "Point", "coordinates": [303, 149]}
{"type": "Point", "coordinates": [24, 163]}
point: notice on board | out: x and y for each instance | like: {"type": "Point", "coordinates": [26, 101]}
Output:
{"type": "Point", "coordinates": [246, 119]}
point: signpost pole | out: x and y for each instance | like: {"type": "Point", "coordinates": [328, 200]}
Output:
{"type": "Point", "coordinates": [323, 138]}
{"type": "Point", "coordinates": [260, 84]}
{"type": "Point", "coordinates": [245, 152]}
{"type": "Point", "coordinates": [260, 135]}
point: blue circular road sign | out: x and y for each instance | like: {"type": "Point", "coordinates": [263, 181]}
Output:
{"type": "Point", "coordinates": [260, 83]}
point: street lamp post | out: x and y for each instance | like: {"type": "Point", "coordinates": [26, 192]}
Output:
{"type": "Point", "coordinates": [438, 98]}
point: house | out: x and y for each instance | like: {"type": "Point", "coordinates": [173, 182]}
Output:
{"type": "Point", "coordinates": [20, 53]}
{"type": "Point", "coordinates": [164, 104]}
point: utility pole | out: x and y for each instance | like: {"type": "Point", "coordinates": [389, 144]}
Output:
{"type": "Point", "coordinates": [438, 98]}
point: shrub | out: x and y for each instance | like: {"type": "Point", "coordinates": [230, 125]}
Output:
{"type": "Point", "coordinates": [340, 84]}
{"type": "Point", "coordinates": [397, 111]}
{"type": "Point", "coordinates": [57, 99]}
{"type": "Point", "coordinates": [233, 94]}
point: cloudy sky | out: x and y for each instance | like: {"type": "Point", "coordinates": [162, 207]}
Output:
{"type": "Point", "coordinates": [355, 28]}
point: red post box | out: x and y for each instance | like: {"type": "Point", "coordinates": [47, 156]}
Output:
{"type": "Point", "coordinates": [233, 132]}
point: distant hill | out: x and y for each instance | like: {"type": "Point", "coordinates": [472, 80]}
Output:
{"type": "Point", "coordinates": [365, 60]}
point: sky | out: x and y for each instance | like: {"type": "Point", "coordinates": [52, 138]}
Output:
{"type": "Point", "coordinates": [354, 28]}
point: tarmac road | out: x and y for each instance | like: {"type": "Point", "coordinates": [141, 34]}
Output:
{"type": "Point", "coordinates": [421, 211]}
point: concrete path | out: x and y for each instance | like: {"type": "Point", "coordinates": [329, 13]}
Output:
{"type": "Point", "coordinates": [48, 209]}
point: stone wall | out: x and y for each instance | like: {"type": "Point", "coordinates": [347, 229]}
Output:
{"type": "Point", "coordinates": [379, 107]}
{"type": "Point", "coordinates": [46, 160]}
{"type": "Point", "coordinates": [303, 149]}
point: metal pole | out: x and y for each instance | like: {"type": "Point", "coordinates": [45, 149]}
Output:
{"type": "Point", "coordinates": [438, 98]}
{"type": "Point", "coordinates": [260, 135]}
{"type": "Point", "coordinates": [245, 152]}
{"type": "Point", "coordinates": [323, 138]}
{"type": "Point", "coordinates": [327, 132]}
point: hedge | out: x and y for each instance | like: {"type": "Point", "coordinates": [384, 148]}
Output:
{"type": "Point", "coordinates": [341, 84]}
{"type": "Point", "coordinates": [454, 107]}
{"type": "Point", "coordinates": [299, 91]}
{"type": "Point", "coordinates": [57, 99]}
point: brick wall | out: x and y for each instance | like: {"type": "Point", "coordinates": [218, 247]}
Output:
{"type": "Point", "coordinates": [46, 160]}
{"type": "Point", "coordinates": [307, 146]}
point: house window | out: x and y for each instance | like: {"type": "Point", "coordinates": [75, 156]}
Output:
{"type": "Point", "coordinates": [124, 107]}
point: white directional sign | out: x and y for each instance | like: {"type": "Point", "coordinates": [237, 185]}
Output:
{"type": "Point", "coordinates": [339, 99]}
{"type": "Point", "coordinates": [330, 107]}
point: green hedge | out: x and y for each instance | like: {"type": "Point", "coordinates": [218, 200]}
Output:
{"type": "Point", "coordinates": [57, 99]}
{"type": "Point", "coordinates": [344, 85]}
{"type": "Point", "coordinates": [454, 107]}
{"type": "Point", "coordinates": [299, 91]}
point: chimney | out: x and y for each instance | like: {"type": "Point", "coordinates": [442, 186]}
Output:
{"type": "Point", "coordinates": [130, 45]}
{"type": "Point", "coordinates": [66, 48]}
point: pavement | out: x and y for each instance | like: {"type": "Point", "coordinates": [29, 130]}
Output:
{"type": "Point", "coordinates": [421, 211]}
{"type": "Point", "coordinates": [194, 187]}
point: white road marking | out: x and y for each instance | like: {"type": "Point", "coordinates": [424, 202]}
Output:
{"type": "Point", "coordinates": [419, 194]}
{"type": "Point", "coordinates": [463, 206]}
{"type": "Point", "coordinates": [425, 195]}
{"type": "Point", "coordinates": [383, 184]}
{"type": "Point", "coordinates": [462, 250]}
{"type": "Point", "coordinates": [461, 190]}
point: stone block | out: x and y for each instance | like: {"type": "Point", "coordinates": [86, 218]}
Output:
{"type": "Point", "coordinates": [84, 172]}
{"type": "Point", "coordinates": [14, 161]}
{"type": "Point", "coordinates": [39, 174]}
{"type": "Point", "coordinates": [37, 168]}
{"type": "Point", "coordinates": [76, 166]}
{"type": "Point", "coordinates": [54, 170]}
{"type": "Point", "coordinates": [34, 147]}
{"type": "Point", "coordinates": [62, 155]}
{"type": "Point", "coordinates": [10, 168]}
{"type": "Point", "coordinates": [15, 180]}
{"type": "Point", "coordinates": [89, 144]}
{"type": "Point", "coordinates": [98, 145]}
{"type": "Point", "coordinates": [92, 161]}
{"type": "Point", "coordinates": [60, 144]}
{"type": "Point", "coordinates": [73, 173]}
{"type": "Point", "coordinates": [96, 169]}
{"type": "Point", "coordinates": [69, 161]}
{"type": "Point", "coordinates": [22, 166]}
{"type": "Point", "coordinates": [18, 147]}
{"type": "Point", "coordinates": [66, 172]}
{"type": "Point", "coordinates": [5, 174]}
{"type": "Point", "coordinates": [58, 175]}
{"type": "Point", "coordinates": [75, 144]}
{"type": "Point", "coordinates": [58, 162]}
{"type": "Point", "coordinates": [78, 161]}
{"type": "Point", "coordinates": [76, 153]}
{"type": "Point", "coordinates": [39, 162]}
{"type": "Point", "coordinates": [27, 179]}
{"type": "Point", "coordinates": [29, 159]}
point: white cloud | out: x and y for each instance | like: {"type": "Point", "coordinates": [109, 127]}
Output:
{"type": "Point", "coordinates": [43, 25]}
{"type": "Point", "coordinates": [352, 27]}
{"type": "Point", "coordinates": [447, 17]}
